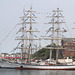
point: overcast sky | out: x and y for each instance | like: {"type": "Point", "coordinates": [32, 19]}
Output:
{"type": "Point", "coordinates": [11, 10]}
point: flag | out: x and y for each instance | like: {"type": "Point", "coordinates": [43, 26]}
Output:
{"type": "Point", "coordinates": [35, 36]}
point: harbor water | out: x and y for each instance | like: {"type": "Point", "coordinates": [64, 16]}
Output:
{"type": "Point", "coordinates": [34, 72]}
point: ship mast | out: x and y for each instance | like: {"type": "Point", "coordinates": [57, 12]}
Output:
{"type": "Point", "coordinates": [29, 48]}
{"type": "Point", "coordinates": [56, 28]}
{"type": "Point", "coordinates": [23, 30]}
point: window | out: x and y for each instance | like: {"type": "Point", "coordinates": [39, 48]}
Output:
{"type": "Point", "coordinates": [72, 48]}
{"type": "Point", "coordinates": [69, 48]}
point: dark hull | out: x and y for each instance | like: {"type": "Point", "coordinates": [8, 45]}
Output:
{"type": "Point", "coordinates": [7, 68]}
{"type": "Point", "coordinates": [18, 68]}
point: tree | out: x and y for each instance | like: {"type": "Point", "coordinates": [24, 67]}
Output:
{"type": "Point", "coordinates": [45, 53]}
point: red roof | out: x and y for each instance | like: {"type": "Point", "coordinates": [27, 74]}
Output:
{"type": "Point", "coordinates": [11, 57]}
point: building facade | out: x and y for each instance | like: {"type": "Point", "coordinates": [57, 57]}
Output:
{"type": "Point", "coordinates": [69, 45]}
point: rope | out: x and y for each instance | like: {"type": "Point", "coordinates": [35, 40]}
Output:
{"type": "Point", "coordinates": [6, 45]}
{"type": "Point", "coordinates": [69, 32]}
{"type": "Point", "coordinates": [8, 34]}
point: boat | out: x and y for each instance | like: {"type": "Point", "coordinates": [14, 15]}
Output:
{"type": "Point", "coordinates": [40, 67]}
{"type": "Point", "coordinates": [55, 30]}
{"type": "Point", "coordinates": [52, 65]}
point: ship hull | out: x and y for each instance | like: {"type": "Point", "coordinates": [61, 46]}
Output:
{"type": "Point", "coordinates": [6, 65]}
{"type": "Point", "coordinates": [46, 68]}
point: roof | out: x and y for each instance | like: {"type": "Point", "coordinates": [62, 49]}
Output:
{"type": "Point", "coordinates": [68, 39]}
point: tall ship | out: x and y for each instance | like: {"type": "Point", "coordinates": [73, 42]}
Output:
{"type": "Point", "coordinates": [55, 38]}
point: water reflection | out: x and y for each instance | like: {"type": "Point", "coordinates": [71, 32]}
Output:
{"type": "Point", "coordinates": [35, 72]}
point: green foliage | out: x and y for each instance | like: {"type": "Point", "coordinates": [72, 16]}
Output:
{"type": "Point", "coordinates": [45, 53]}
{"type": "Point", "coordinates": [41, 54]}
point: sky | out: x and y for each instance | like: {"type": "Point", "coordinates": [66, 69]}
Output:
{"type": "Point", "coordinates": [11, 10]}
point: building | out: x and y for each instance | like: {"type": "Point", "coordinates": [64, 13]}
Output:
{"type": "Point", "coordinates": [24, 55]}
{"type": "Point", "coordinates": [13, 56]}
{"type": "Point", "coordinates": [4, 55]}
{"type": "Point", "coordinates": [69, 45]}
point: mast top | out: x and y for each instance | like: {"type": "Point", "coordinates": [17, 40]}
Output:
{"type": "Point", "coordinates": [57, 10]}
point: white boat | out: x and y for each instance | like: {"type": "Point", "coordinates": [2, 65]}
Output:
{"type": "Point", "coordinates": [51, 66]}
